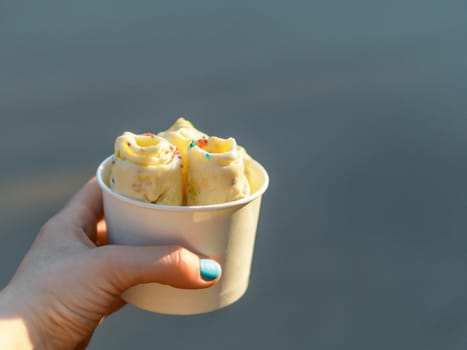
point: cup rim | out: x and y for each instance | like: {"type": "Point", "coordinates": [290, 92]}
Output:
{"type": "Point", "coordinates": [187, 208]}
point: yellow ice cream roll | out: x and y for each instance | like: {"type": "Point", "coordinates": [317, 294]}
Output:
{"type": "Point", "coordinates": [215, 172]}
{"type": "Point", "coordinates": [180, 134]}
{"type": "Point", "coordinates": [147, 167]}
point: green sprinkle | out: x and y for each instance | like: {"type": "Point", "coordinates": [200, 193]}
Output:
{"type": "Point", "coordinates": [208, 156]}
{"type": "Point", "coordinates": [192, 144]}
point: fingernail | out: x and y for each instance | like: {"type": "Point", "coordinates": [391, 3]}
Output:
{"type": "Point", "coordinates": [209, 269]}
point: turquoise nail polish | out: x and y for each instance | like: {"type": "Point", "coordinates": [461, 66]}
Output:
{"type": "Point", "coordinates": [209, 269]}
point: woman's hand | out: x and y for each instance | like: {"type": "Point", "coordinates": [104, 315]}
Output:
{"type": "Point", "coordinates": [70, 279]}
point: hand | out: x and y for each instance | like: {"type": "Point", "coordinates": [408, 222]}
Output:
{"type": "Point", "coordinates": [67, 282]}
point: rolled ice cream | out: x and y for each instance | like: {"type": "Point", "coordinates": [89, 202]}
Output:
{"type": "Point", "coordinates": [148, 168]}
{"type": "Point", "coordinates": [180, 166]}
{"type": "Point", "coordinates": [215, 172]}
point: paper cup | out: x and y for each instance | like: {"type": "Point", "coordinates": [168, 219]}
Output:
{"type": "Point", "coordinates": [224, 232]}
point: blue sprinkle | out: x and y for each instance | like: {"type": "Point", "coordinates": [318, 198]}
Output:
{"type": "Point", "coordinates": [208, 156]}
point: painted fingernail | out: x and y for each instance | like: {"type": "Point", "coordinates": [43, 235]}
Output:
{"type": "Point", "coordinates": [209, 269]}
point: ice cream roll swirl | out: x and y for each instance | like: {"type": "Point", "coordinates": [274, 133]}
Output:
{"type": "Point", "coordinates": [148, 168]}
{"type": "Point", "coordinates": [180, 134]}
{"type": "Point", "coordinates": [215, 172]}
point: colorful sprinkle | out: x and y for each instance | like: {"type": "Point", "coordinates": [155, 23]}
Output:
{"type": "Point", "coordinates": [192, 144]}
{"type": "Point", "coordinates": [149, 134]}
{"type": "Point", "coordinates": [202, 142]}
{"type": "Point", "coordinates": [208, 156]}
{"type": "Point", "coordinates": [129, 144]}
{"type": "Point", "coordinates": [113, 180]}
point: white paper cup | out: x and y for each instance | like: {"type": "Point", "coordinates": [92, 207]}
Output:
{"type": "Point", "coordinates": [224, 232]}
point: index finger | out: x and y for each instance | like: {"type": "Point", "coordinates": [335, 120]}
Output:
{"type": "Point", "coordinates": [85, 208]}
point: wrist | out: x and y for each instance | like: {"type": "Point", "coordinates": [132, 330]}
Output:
{"type": "Point", "coordinates": [14, 334]}
{"type": "Point", "coordinates": [16, 326]}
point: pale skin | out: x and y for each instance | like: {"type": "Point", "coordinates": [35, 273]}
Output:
{"type": "Point", "coordinates": [70, 279]}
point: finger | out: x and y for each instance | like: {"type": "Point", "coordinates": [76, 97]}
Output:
{"type": "Point", "coordinates": [125, 266]}
{"type": "Point", "coordinates": [101, 233]}
{"type": "Point", "coordinates": [84, 344]}
{"type": "Point", "coordinates": [84, 210]}
{"type": "Point", "coordinates": [116, 305]}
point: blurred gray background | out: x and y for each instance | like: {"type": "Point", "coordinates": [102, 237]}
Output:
{"type": "Point", "coordinates": [358, 109]}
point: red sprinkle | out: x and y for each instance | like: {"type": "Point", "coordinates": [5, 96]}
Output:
{"type": "Point", "coordinates": [149, 134]}
{"type": "Point", "coordinates": [202, 142]}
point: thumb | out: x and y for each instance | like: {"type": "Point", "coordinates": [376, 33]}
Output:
{"type": "Point", "coordinates": [126, 266]}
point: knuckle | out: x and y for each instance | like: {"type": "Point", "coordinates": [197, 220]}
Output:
{"type": "Point", "coordinates": [47, 228]}
{"type": "Point", "coordinates": [180, 258]}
